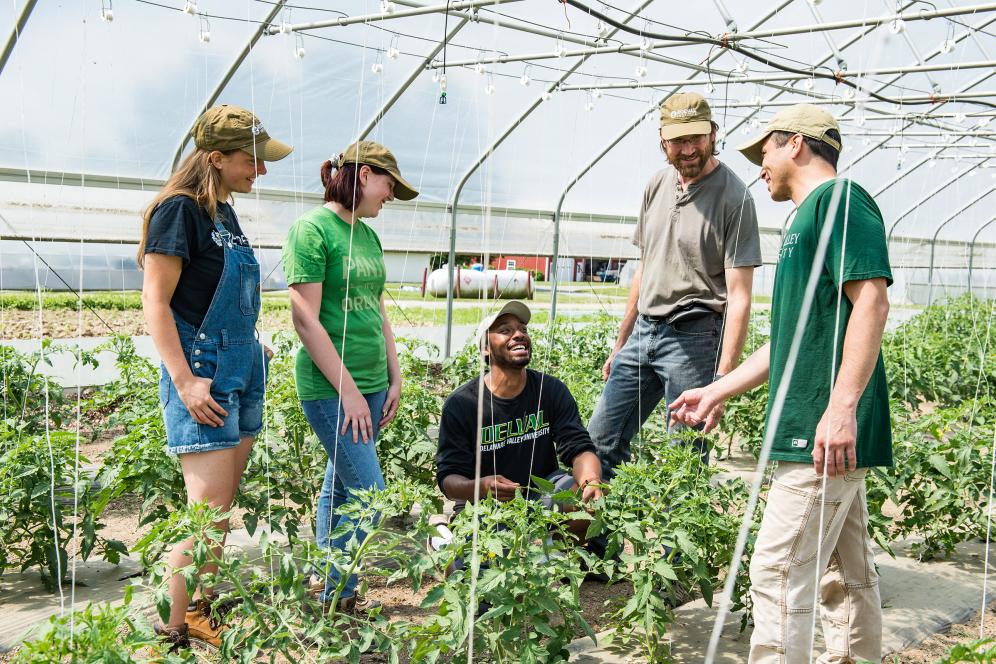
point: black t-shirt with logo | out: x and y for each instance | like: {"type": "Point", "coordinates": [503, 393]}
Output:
{"type": "Point", "coordinates": [540, 425]}
{"type": "Point", "coordinates": [180, 227]}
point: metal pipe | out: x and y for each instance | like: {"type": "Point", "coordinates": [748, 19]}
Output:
{"type": "Point", "coordinates": [597, 50]}
{"type": "Point", "coordinates": [633, 48]}
{"type": "Point", "coordinates": [933, 241]}
{"type": "Point", "coordinates": [934, 53]}
{"type": "Point", "coordinates": [555, 55]}
{"type": "Point", "coordinates": [919, 134]}
{"type": "Point", "coordinates": [563, 195]}
{"type": "Point", "coordinates": [971, 252]}
{"type": "Point", "coordinates": [15, 34]}
{"type": "Point", "coordinates": [454, 206]}
{"type": "Point", "coordinates": [894, 146]}
{"type": "Point", "coordinates": [977, 81]}
{"type": "Point", "coordinates": [411, 79]}
{"type": "Point", "coordinates": [937, 99]}
{"type": "Point", "coordinates": [965, 156]}
{"type": "Point", "coordinates": [907, 171]}
{"type": "Point", "coordinates": [934, 85]}
{"type": "Point", "coordinates": [383, 16]}
{"type": "Point", "coordinates": [572, 39]}
{"type": "Point", "coordinates": [838, 56]}
{"type": "Point", "coordinates": [862, 23]}
{"type": "Point", "coordinates": [731, 24]}
{"type": "Point", "coordinates": [854, 39]}
{"type": "Point", "coordinates": [929, 116]}
{"type": "Point", "coordinates": [223, 83]}
{"type": "Point", "coordinates": [941, 187]}
{"type": "Point", "coordinates": [986, 64]}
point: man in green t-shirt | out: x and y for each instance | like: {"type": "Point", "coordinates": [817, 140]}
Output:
{"type": "Point", "coordinates": [829, 410]}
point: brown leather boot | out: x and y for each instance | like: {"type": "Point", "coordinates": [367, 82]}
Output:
{"type": "Point", "coordinates": [171, 639]}
{"type": "Point", "coordinates": [357, 605]}
{"type": "Point", "coordinates": [202, 625]}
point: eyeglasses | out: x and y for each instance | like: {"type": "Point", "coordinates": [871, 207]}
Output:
{"type": "Point", "coordinates": [680, 143]}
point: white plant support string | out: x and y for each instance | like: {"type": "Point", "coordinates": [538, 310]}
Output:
{"type": "Point", "coordinates": [266, 439]}
{"type": "Point", "coordinates": [822, 495]}
{"type": "Point", "coordinates": [819, 567]}
{"type": "Point", "coordinates": [79, 363]}
{"type": "Point", "coordinates": [475, 557]}
{"type": "Point", "coordinates": [345, 325]}
{"type": "Point", "coordinates": [41, 352]}
{"type": "Point", "coordinates": [992, 480]}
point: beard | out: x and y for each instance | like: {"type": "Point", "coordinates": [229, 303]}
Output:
{"type": "Point", "coordinates": [505, 361]}
{"type": "Point", "coordinates": [691, 166]}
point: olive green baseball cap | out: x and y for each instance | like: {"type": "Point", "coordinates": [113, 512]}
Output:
{"type": "Point", "coordinates": [684, 114]}
{"type": "Point", "coordinates": [805, 119]}
{"type": "Point", "coordinates": [227, 127]}
{"type": "Point", "coordinates": [375, 154]}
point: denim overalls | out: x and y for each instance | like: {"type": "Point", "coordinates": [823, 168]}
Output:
{"type": "Point", "coordinates": [225, 349]}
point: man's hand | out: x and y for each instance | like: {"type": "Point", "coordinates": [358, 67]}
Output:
{"type": "Point", "coordinates": [607, 367]}
{"type": "Point", "coordinates": [696, 406]}
{"type": "Point", "coordinates": [498, 486]}
{"type": "Point", "coordinates": [590, 490]}
{"type": "Point", "coordinates": [835, 443]}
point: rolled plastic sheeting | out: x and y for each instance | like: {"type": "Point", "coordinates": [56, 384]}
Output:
{"type": "Point", "coordinates": [493, 284]}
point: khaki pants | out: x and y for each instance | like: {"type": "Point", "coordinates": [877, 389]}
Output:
{"type": "Point", "coordinates": [783, 571]}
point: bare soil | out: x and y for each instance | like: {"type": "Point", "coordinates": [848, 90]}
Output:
{"type": "Point", "coordinates": [66, 324]}
{"type": "Point", "coordinates": [937, 646]}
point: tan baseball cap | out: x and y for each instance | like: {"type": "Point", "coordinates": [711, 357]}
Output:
{"type": "Point", "coordinates": [514, 307]}
{"type": "Point", "coordinates": [375, 154]}
{"type": "Point", "coordinates": [227, 127]}
{"type": "Point", "coordinates": [805, 119]}
{"type": "Point", "coordinates": [684, 114]}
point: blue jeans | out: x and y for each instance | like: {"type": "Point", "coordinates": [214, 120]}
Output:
{"type": "Point", "coordinates": [355, 468]}
{"type": "Point", "coordinates": [659, 360]}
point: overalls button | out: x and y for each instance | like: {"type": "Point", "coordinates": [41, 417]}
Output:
{"type": "Point", "coordinates": [197, 352]}
{"type": "Point", "coordinates": [197, 365]}
{"type": "Point", "coordinates": [202, 336]}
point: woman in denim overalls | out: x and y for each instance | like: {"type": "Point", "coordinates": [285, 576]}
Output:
{"type": "Point", "coordinates": [201, 298]}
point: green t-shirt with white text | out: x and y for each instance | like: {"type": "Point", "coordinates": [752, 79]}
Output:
{"type": "Point", "coordinates": [857, 250]}
{"type": "Point", "coordinates": [318, 248]}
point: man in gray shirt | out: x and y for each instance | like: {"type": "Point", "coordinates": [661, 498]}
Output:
{"type": "Point", "coordinates": [688, 308]}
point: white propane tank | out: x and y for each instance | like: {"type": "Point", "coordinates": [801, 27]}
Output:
{"type": "Point", "coordinates": [493, 284]}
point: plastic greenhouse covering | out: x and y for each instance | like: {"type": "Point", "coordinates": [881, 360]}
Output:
{"type": "Point", "coordinates": [547, 109]}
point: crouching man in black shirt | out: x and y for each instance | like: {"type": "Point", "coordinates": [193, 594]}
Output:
{"type": "Point", "coordinates": [530, 420]}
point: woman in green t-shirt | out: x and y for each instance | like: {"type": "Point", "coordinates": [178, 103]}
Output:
{"type": "Point", "coordinates": [347, 372]}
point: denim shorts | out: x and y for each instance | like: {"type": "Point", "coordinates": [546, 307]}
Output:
{"type": "Point", "coordinates": [238, 374]}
